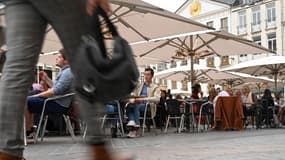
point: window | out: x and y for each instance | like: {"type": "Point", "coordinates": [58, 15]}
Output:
{"type": "Point", "coordinates": [224, 24]}
{"type": "Point", "coordinates": [161, 67]}
{"type": "Point", "coordinates": [272, 41]}
{"type": "Point", "coordinates": [271, 12]}
{"type": "Point", "coordinates": [242, 22]}
{"type": "Point", "coordinates": [184, 85]}
{"type": "Point", "coordinates": [256, 16]}
{"type": "Point", "coordinates": [255, 25]}
{"type": "Point", "coordinates": [163, 82]}
{"type": "Point", "coordinates": [271, 16]}
{"type": "Point", "coordinates": [173, 64]}
{"type": "Point", "coordinates": [174, 84]}
{"type": "Point", "coordinates": [210, 24]}
{"type": "Point", "coordinates": [184, 62]}
{"type": "Point", "coordinates": [257, 40]}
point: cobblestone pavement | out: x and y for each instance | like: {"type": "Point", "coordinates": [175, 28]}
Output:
{"type": "Point", "coordinates": [251, 144]}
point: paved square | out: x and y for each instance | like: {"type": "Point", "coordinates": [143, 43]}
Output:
{"type": "Point", "coordinates": [250, 144]}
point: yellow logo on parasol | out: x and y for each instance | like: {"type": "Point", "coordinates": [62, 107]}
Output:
{"type": "Point", "coordinates": [195, 8]}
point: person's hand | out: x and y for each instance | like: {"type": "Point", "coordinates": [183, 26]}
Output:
{"type": "Point", "coordinates": [43, 75]}
{"type": "Point", "coordinates": [36, 95]}
{"type": "Point", "coordinates": [139, 100]}
{"type": "Point", "coordinates": [104, 4]}
{"type": "Point", "coordinates": [132, 100]}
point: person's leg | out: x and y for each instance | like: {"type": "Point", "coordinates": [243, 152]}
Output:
{"type": "Point", "coordinates": [69, 21]}
{"type": "Point", "coordinates": [68, 18]}
{"type": "Point", "coordinates": [138, 110]}
{"type": "Point", "coordinates": [130, 112]}
{"type": "Point", "coordinates": [34, 104]}
{"type": "Point", "coordinates": [111, 109]}
{"type": "Point", "coordinates": [24, 38]}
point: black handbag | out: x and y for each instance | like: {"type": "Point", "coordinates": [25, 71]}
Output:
{"type": "Point", "coordinates": [99, 77]}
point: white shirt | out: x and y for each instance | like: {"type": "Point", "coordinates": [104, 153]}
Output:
{"type": "Point", "coordinates": [222, 93]}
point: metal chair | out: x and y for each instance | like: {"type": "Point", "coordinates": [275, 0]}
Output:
{"type": "Point", "coordinates": [119, 117]}
{"type": "Point", "coordinates": [144, 118]}
{"type": "Point", "coordinates": [188, 113]}
{"type": "Point", "coordinates": [205, 113]}
{"type": "Point", "coordinates": [173, 112]}
{"type": "Point", "coordinates": [44, 118]}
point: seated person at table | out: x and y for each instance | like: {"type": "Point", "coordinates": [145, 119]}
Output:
{"type": "Point", "coordinates": [249, 101]}
{"type": "Point", "coordinates": [150, 92]}
{"type": "Point", "coordinates": [160, 117]}
{"type": "Point", "coordinates": [226, 92]}
{"type": "Point", "coordinates": [267, 103]}
{"type": "Point", "coordinates": [212, 94]}
{"type": "Point", "coordinates": [62, 86]}
{"type": "Point", "coordinates": [197, 92]}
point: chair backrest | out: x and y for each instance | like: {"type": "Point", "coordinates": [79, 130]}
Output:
{"type": "Point", "coordinates": [173, 106]}
{"type": "Point", "coordinates": [265, 103]}
{"type": "Point", "coordinates": [229, 110]}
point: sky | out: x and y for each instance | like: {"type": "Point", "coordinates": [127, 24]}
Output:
{"type": "Point", "coordinates": [171, 5]}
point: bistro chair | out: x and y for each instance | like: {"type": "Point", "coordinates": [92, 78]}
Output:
{"type": "Point", "coordinates": [44, 118]}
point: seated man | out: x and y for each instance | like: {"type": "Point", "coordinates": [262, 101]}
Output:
{"type": "Point", "coordinates": [227, 91]}
{"type": "Point", "coordinates": [149, 92]}
{"type": "Point", "coordinates": [62, 86]}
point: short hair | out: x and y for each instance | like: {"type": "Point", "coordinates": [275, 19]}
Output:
{"type": "Point", "coordinates": [149, 69]}
{"type": "Point", "coordinates": [62, 52]}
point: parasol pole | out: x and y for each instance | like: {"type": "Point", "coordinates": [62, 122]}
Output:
{"type": "Point", "coordinates": [191, 54]}
{"type": "Point", "coordinates": [275, 72]}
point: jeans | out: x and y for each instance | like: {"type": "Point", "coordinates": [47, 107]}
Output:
{"type": "Point", "coordinates": [27, 22]}
{"type": "Point", "coordinates": [112, 109]}
{"type": "Point", "coordinates": [134, 111]}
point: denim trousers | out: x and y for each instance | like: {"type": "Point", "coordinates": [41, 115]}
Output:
{"type": "Point", "coordinates": [27, 21]}
{"type": "Point", "coordinates": [110, 108]}
{"type": "Point", "coordinates": [134, 112]}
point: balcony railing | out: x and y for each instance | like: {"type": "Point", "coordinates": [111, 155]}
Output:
{"type": "Point", "coordinates": [271, 23]}
{"type": "Point", "coordinates": [241, 29]}
{"type": "Point", "coordinates": [255, 27]}
{"type": "Point", "coordinates": [225, 28]}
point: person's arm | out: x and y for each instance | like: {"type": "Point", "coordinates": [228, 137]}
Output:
{"type": "Point", "coordinates": [63, 83]}
{"type": "Point", "coordinates": [45, 94]}
{"type": "Point", "coordinates": [46, 78]}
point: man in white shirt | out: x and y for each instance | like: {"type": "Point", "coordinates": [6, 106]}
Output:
{"type": "Point", "coordinates": [226, 92]}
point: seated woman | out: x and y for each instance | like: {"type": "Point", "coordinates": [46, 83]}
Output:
{"type": "Point", "coordinates": [249, 101]}
{"type": "Point", "coordinates": [212, 94]}
{"type": "Point", "coordinates": [280, 112]}
{"type": "Point", "coordinates": [197, 92]}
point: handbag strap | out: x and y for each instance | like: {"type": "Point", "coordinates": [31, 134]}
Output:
{"type": "Point", "coordinates": [96, 28]}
